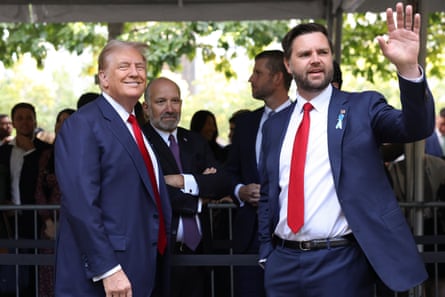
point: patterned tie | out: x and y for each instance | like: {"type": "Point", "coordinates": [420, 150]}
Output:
{"type": "Point", "coordinates": [162, 235]}
{"type": "Point", "coordinates": [295, 201]}
{"type": "Point", "coordinates": [192, 237]}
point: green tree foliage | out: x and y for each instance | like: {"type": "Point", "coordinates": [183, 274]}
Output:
{"type": "Point", "coordinates": [361, 51]}
{"type": "Point", "coordinates": [168, 41]}
{"type": "Point", "coordinates": [215, 43]}
{"type": "Point", "coordinates": [18, 39]}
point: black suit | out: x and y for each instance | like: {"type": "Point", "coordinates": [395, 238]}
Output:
{"type": "Point", "coordinates": [27, 187]}
{"type": "Point", "coordinates": [28, 181]}
{"type": "Point", "coordinates": [195, 156]}
{"type": "Point", "coordinates": [242, 165]}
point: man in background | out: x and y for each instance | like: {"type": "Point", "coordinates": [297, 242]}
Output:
{"type": "Point", "coordinates": [20, 160]}
{"type": "Point", "coordinates": [185, 158]}
{"type": "Point", "coordinates": [5, 129]}
{"type": "Point", "coordinates": [270, 83]}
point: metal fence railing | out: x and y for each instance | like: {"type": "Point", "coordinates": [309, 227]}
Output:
{"type": "Point", "coordinates": [25, 256]}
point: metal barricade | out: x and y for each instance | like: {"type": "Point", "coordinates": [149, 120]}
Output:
{"type": "Point", "coordinates": [17, 252]}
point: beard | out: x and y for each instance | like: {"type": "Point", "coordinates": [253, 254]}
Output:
{"type": "Point", "coordinates": [166, 125]}
{"type": "Point", "coordinates": [304, 83]}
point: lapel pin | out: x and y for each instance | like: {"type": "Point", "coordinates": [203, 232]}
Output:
{"type": "Point", "coordinates": [340, 118]}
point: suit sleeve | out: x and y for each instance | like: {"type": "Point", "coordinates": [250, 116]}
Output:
{"type": "Point", "coordinates": [78, 170]}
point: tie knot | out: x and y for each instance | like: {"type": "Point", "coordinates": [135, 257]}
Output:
{"type": "Point", "coordinates": [307, 107]}
{"type": "Point", "coordinates": [131, 119]}
{"type": "Point", "coordinates": [172, 140]}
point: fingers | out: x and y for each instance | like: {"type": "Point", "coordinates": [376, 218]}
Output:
{"type": "Point", "coordinates": [416, 27]}
{"type": "Point", "coordinates": [409, 17]}
{"type": "Point", "coordinates": [404, 19]}
{"type": "Point", "coordinates": [390, 20]}
{"type": "Point", "coordinates": [399, 15]}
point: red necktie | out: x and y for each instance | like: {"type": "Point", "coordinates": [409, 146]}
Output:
{"type": "Point", "coordinates": [162, 235]}
{"type": "Point", "coordinates": [295, 200]}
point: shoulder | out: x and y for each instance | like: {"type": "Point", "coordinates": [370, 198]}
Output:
{"type": "Point", "coordinates": [190, 136]}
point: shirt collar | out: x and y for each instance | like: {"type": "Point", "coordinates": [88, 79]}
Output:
{"type": "Point", "coordinates": [320, 102]}
{"type": "Point", "coordinates": [117, 107]}
{"type": "Point", "coordinates": [164, 135]}
{"type": "Point", "coordinates": [285, 104]}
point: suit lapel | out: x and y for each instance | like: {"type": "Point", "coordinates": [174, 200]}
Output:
{"type": "Point", "coordinates": [186, 150]}
{"type": "Point", "coordinates": [338, 114]}
{"type": "Point", "coordinates": [120, 130]}
{"type": "Point", "coordinates": [167, 160]}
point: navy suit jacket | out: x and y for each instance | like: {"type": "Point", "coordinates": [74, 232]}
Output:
{"type": "Point", "coordinates": [108, 211]}
{"type": "Point", "coordinates": [196, 156]}
{"type": "Point", "coordinates": [365, 194]}
{"type": "Point", "coordinates": [242, 165]}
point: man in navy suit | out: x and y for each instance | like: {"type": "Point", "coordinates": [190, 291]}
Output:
{"type": "Point", "coordinates": [110, 218]}
{"type": "Point", "coordinates": [270, 82]}
{"type": "Point", "coordinates": [351, 228]}
{"type": "Point", "coordinates": [435, 143]}
{"type": "Point", "coordinates": [189, 188]}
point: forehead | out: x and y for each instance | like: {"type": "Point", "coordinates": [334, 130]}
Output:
{"type": "Point", "coordinates": [261, 64]}
{"type": "Point", "coordinates": [124, 55]}
{"type": "Point", "coordinates": [23, 112]}
{"type": "Point", "coordinates": [310, 41]}
{"type": "Point", "coordinates": [164, 89]}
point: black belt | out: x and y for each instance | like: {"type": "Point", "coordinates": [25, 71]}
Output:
{"type": "Point", "coordinates": [315, 244]}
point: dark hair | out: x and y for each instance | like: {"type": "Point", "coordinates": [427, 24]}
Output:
{"type": "Point", "coordinates": [3, 115]}
{"type": "Point", "coordinates": [302, 29]}
{"type": "Point", "coordinates": [69, 111]}
{"type": "Point", "coordinates": [199, 119]}
{"type": "Point", "coordinates": [275, 64]}
{"type": "Point", "coordinates": [86, 98]}
{"type": "Point", "coordinates": [23, 105]}
{"type": "Point", "coordinates": [442, 112]}
{"type": "Point", "coordinates": [236, 115]}
{"type": "Point", "coordinates": [337, 77]}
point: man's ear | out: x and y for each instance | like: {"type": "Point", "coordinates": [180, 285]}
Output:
{"type": "Point", "coordinates": [103, 80]}
{"type": "Point", "coordinates": [286, 64]}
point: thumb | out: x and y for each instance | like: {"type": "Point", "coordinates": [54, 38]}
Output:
{"type": "Point", "coordinates": [382, 42]}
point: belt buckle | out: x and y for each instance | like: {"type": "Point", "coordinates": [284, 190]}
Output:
{"type": "Point", "coordinates": [304, 245]}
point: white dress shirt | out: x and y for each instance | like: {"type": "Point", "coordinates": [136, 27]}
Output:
{"type": "Point", "coordinates": [323, 217]}
{"type": "Point", "coordinates": [259, 139]}
{"type": "Point", "coordinates": [190, 186]}
{"type": "Point", "coordinates": [16, 164]}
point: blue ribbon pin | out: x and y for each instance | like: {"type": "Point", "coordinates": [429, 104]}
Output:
{"type": "Point", "coordinates": [340, 118]}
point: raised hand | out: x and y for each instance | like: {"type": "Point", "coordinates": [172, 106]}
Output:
{"type": "Point", "coordinates": [402, 44]}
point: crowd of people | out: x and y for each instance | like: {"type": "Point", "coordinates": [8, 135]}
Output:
{"type": "Point", "coordinates": [313, 199]}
